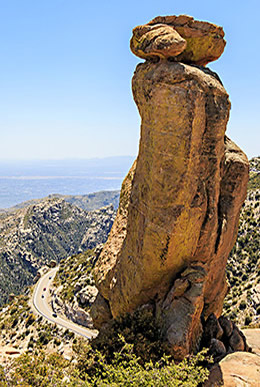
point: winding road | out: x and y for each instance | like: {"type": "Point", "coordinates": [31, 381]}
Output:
{"type": "Point", "coordinates": [44, 308]}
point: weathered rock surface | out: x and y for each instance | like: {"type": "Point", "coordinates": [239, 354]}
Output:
{"type": "Point", "coordinates": [157, 40]}
{"type": "Point", "coordinates": [179, 204]}
{"type": "Point", "coordinates": [253, 339]}
{"type": "Point", "coordinates": [180, 37]}
{"type": "Point", "coordinates": [78, 315]}
{"type": "Point", "coordinates": [235, 370]}
{"type": "Point", "coordinates": [87, 295]}
{"type": "Point", "coordinates": [222, 337]}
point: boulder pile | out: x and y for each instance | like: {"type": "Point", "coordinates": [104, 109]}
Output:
{"type": "Point", "coordinates": [180, 202]}
{"type": "Point", "coordinates": [222, 337]}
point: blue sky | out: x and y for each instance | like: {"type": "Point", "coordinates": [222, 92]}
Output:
{"type": "Point", "coordinates": [66, 68]}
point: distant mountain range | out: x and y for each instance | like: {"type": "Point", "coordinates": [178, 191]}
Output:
{"type": "Point", "coordinates": [27, 180]}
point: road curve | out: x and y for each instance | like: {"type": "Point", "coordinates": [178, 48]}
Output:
{"type": "Point", "coordinates": [44, 309]}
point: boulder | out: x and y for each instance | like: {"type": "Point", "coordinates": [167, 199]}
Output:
{"type": "Point", "coordinates": [180, 37]}
{"type": "Point", "coordinates": [236, 340]}
{"type": "Point", "coordinates": [78, 315]}
{"type": "Point", "coordinates": [87, 295]}
{"type": "Point", "coordinates": [217, 348]}
{"type": "Point", "coordinates": [179, 204]}
{"type": "Point", "coordinates": [158, 40]}
{"type": "Point", "coordinates": [212, 330]}
{"type": "Point", "coordinates": [100, 312]}
{"type": "Point", "coordinates": [236, 369]}
{"type": "Point", "coordinates": [179, 314]}
{"type": "Point", "coordinates": [226, 325]}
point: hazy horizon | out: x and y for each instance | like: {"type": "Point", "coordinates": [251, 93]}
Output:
{"type": "Point", "coordinates": [25, 180]}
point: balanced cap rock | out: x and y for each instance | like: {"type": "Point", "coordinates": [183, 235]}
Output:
{"type": "Point", "coordinates": [180, 202]}
{"type": "Point", "coordinates": [180, 37]}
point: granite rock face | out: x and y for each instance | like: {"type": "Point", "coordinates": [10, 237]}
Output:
{"type": "Point", "coordinates": [180, 203]}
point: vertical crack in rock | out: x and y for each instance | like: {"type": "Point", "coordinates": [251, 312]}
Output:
{"type": "Point", "coordinates": [180, 202]}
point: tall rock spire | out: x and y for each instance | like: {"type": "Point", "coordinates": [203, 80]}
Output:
{"type": "Point", "coordinates": [179, 206]}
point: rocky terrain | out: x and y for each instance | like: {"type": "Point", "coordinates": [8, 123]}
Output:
{"type": "Point", "coordinates": [24, 331]}
{"type": "Point", "coordinates": [242, 303]}
{"type": "Point", "coordinates": [180, 202]}
{"type": "Point", "coordinates": [50, 229]}
{"type": "Point", "coordinates": [75, 289]}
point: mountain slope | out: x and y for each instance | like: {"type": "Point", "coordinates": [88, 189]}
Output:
{"type": "Point", "coordinates": [242, 303]}
{"type": "Point", "coordinates": [51, 229]}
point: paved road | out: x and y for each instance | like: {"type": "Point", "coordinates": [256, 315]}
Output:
{"type": "Point", "coordinates": [43, 308]}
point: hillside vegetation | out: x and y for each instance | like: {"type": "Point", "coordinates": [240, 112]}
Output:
{"type": "Point", "coordinates": [242, 303]}
{"type": "Point", "coordinates": [51, 229]}
{"type": "Point", "coordinates": [254, 181]}
{"type": "Point", "coordinates": [54, 356]}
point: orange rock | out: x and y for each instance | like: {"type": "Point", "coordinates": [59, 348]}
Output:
{"type": "Point", "coordinates": [179, 204]}
{"type": "Point", "coordinates": [182, 37]}
{"type": "Point", "coordinates": [157, 40]}
{"type": "Point", "coordinates": [205, 41]}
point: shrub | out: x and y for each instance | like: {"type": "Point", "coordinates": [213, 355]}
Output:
{"type": "Point", "coordinates": [43, 337]}
{"type": "Point", "coordinates": [57, 341]}
{"type": "Point", "coordinates": [139, 329]}
{"type": "Point", "coordinates": [125, 369]}
{"type": "Point", "coordinates": [248, 320]}
{"type": "Point", "coordinates": [242, 305]}
{"type": "Point", "coordinates": [13, 310]}
{"type": "Point", "coordinates": [15, 322]}
{"type": "Point", "coordinates": [30, 320]}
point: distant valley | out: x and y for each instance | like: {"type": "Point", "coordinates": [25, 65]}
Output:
{"type": "Point", "coordinates": [27, 180]}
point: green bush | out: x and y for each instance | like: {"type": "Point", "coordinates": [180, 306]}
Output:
{"type": "Point", "coordinates": [242, 305]}
{"type": "Point", "coordinates": [124, 370]}
{"type": "Point", "coordinates": [44, 338]}
{"type": "Point", "coordinates": [139, 329]}
{"type": "Point", "coordinates": [30, 320]}
{"type": "Point", "coordinates": [57, 341]}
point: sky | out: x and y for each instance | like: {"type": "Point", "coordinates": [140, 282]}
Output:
{"type": "Point", "coordinates": [66, 69]}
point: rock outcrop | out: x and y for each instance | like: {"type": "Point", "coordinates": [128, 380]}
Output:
{"type": "Point", "coordinates": [179, 205]}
